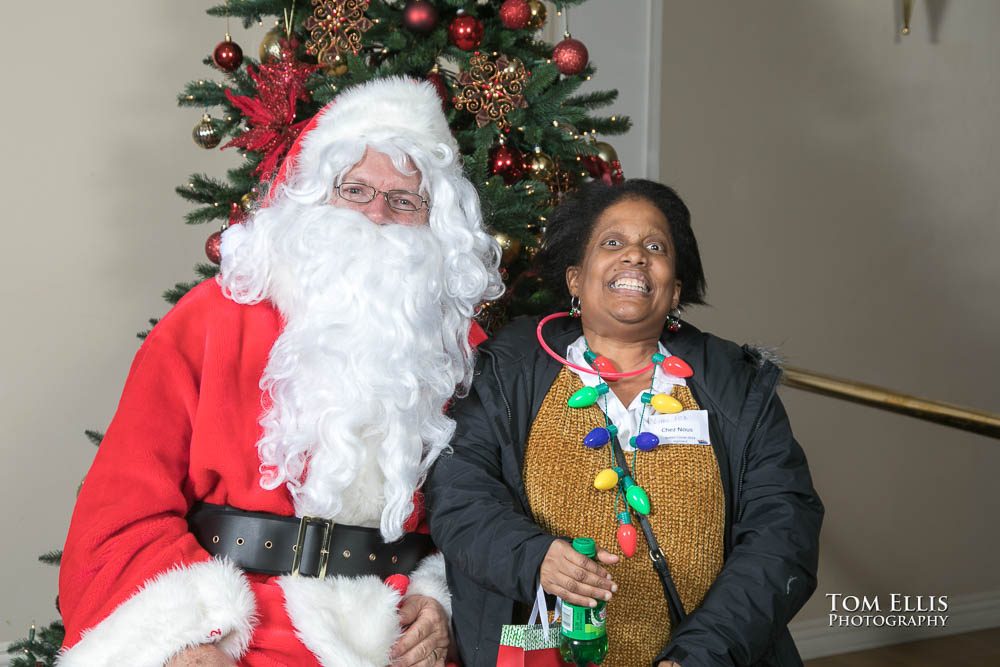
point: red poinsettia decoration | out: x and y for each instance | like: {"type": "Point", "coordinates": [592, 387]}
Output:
{"type": "Point", "coordinates": [271, 115]}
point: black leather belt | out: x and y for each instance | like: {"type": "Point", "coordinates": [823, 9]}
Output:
{"type": "Point", "coordinates": [310, 547]}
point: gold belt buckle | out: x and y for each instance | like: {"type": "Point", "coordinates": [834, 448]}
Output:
{"type": "Point", "coordinates": [324, 552]}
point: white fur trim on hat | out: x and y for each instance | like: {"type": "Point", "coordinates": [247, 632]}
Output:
{"type": "Point", "coordinates": [344, 620]}
{"type": "Point", "coordinates": [204, 603]}
{"type": "Point", "coordinates": [429, 579]}
{"type": "Point", "coordinates": [379, 110]}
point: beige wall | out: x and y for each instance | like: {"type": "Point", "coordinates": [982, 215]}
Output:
{"type": "Point", "coordinates": [843, 183]}
{"type": "Point", "coordinates": [93, 234]}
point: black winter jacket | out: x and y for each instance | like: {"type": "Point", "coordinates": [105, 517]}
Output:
{"type": "Point", "coordinates": [480, 518]}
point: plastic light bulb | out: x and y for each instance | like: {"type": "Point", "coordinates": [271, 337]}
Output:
{"type": "Point", "coordinates": [636, 496]}
{"type": "Point", "coordinates": [646, 441]}
{"type": "Point", "coordinates": [666, 404]}
{"type": "Point", "coordinates": [600, 363]}
{"type": "Point", "coordinates": [626, 535]}
{"type": "Point", "coordinates": [606, 480]}
{"type": "Point", "coordinates": [677, 367]}
{"type": "Point", "coordinates": [597, 438]}
{"type": "Point", "coordinates": [584, 397]}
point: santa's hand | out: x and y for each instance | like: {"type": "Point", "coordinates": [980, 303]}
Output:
{"type": "Point", "coordinates": [204, 655]}
{"type": "Point", "coordinates": [425, 633]}
{"type": "Point", "coordinates": [574, 577]}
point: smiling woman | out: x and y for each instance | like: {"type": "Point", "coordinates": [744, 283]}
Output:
{"type": "Point", "coordinates": [689, 443]}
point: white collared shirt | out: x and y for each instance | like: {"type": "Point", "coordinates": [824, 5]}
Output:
{"type": "Point", "coordinates": [627, 420]}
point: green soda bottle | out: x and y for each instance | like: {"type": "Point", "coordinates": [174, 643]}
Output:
{"type": "Point", "coordinates": [583, 639]}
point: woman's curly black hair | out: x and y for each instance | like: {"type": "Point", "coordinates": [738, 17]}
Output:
{"type": "Point", "coordinates": [572, 223]}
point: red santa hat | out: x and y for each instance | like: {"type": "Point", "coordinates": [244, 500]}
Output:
{"type": "Point", "coordinates": [391, 108]}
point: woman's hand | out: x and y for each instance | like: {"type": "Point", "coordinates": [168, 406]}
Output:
{"type": "Point", "coordinates": [203, 655]}
{"type": "Point", "coordinates": [576, 578]}
{"type": "Point", "coordinates": [425, 633]}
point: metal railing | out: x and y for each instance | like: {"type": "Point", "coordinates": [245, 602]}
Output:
{"type": "Point", "coordinates": [956, 416]}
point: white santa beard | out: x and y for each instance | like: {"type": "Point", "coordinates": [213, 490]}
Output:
{"type": "Point", "coordinates": [371, 350]}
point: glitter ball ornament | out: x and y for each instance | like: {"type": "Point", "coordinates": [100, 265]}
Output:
{"type": "Point", "coordinates": [213, 248]}
{"type": "Point", "coordinates": [508, 162]}
{"type": "Point", "coordinates": [228, 55]}
{"type": "Point", "coordinates": [515, 14]}
{"type": "Point", "coordinates": [570, 56]}
{"type": "Point", "coordinates": [466, 32]}
{"type": "Point", "coordinates": [420, 16]}
{"type": "Point", "coordinates": [205, 134]}
{"type": "Point", "coordinates": [537, 8]}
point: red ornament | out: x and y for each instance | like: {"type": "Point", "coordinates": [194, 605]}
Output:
{"type": "Point", "coordinates": [677, 367]}
{"type": "Point", "coordinates": [236, 214]}
{"type": "Point", "coordinates": [466, 32]}
{"type": "Point", "coordinates": [609, 172]}
{"type": "Point", "coordinates": [420, 16]}
{"type": "Point", "coordinates": [515, 14]}
{"type": "Point", "coordinates": [271, 115]}
{"type": "Point", "coordinates": [508, 162]}
{"type": "Point", "coordinates": [213, 248]}
{"type": "Point", "coordinates": [228, 55]}
{"type": "Point", "coordinates": [437, 80]}
{"type": "Point", "coordinates": [570, 56]}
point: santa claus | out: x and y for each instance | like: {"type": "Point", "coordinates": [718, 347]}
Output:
{"type": "Point", "coordinates": [256, 498]}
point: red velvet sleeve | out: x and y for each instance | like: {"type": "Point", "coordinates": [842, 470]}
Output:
{"type": "Point", "coordinates": [128, 524]}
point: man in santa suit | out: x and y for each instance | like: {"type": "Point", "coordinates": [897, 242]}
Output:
{"type": "Point", "coordinates": [309, 380]}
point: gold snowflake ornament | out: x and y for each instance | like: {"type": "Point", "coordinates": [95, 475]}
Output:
{"type": "Point", "coordinates": [336, 27]}
{"type": "Point", "coordinates": [491, 89]}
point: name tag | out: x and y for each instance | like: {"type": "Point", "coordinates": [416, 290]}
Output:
{"type": "Point", "coordinates": [689, 427]}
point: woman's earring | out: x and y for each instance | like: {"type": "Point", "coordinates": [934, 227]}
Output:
{"type": "Point", "coordinates": [574, 306]}
{"type": "Point", "coordinates": [673, 322]}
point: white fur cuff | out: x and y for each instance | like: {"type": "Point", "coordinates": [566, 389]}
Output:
{"type": "Point", "coordinates": [429, 579]}
{"type": "Point", "coordinates": [209, 602]}
{"type": "Point", "coordinates": [344, 620]}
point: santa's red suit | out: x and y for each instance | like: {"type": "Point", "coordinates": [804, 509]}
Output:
{"type": "Point", "coordinates": [135, 586]}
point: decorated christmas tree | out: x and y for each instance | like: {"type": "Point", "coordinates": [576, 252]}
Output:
{"type": "Point", "coordinates": [526, 132]}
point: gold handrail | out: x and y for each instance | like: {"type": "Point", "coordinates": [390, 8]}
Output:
{"type": "Point", "coordinates": [976, 421]}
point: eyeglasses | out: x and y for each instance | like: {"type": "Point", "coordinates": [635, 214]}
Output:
{"type": "Point", "coordinates": [397, 200]}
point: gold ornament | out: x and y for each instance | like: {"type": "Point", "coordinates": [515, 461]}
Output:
{"type": "Point", "coordinates": [271, 49]}
{"type": "Point", "coordinates": [335, 28]}
{"type": "Point", "coordinates": [606, 151]}
{"type": "Point", "coordinates": [542, 167]}
{"type": "Point", "coordinates": [205, 134]}
{"type": "Point", "coordinates": [491, 89]}
{"type": "Point", "coordinates": [335, 66]}
{"type": "Point", "coordinates": [537, 19]}
{"type": "Point", "coordinates": [247, 201]}
{"type": "Point", "coordinates": [510, 247]}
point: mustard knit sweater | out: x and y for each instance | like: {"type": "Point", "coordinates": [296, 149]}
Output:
{"type": "Point", "coordinates": [688, 515]}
